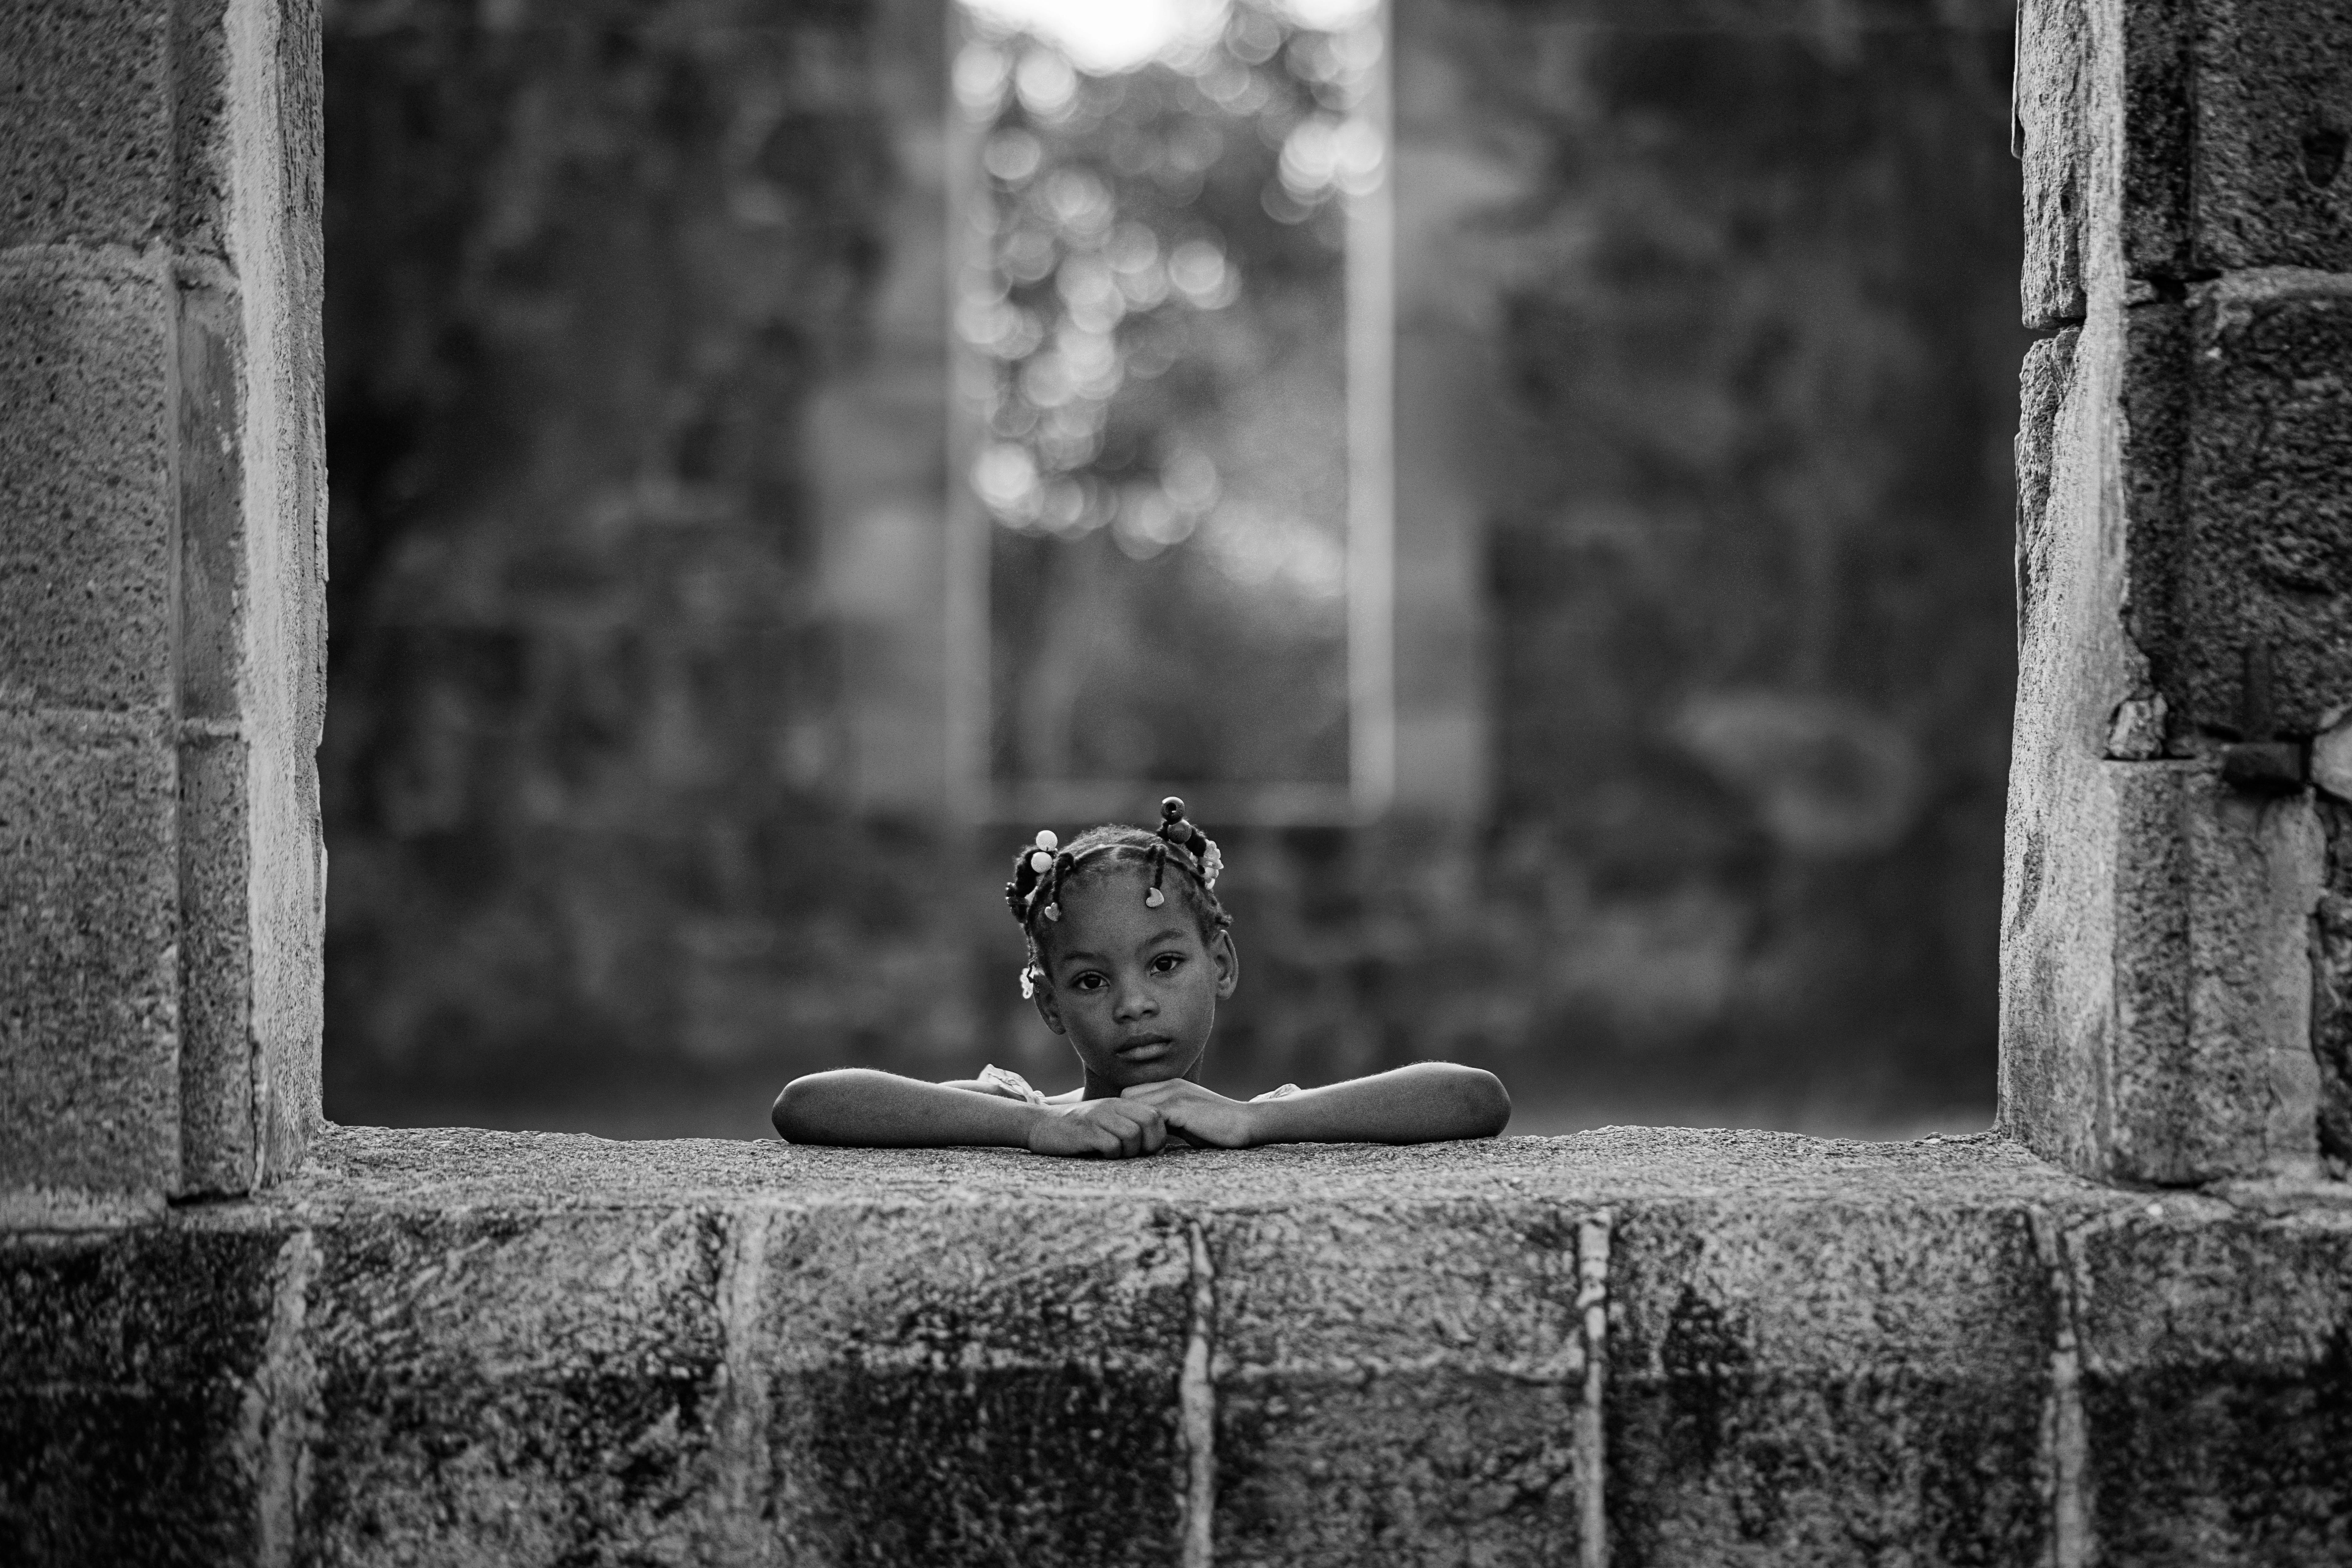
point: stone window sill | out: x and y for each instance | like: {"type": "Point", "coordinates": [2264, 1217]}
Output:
{"type": "Point", "coordinates": [1704, 1346]}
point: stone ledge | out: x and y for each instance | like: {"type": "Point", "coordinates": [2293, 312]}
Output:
{"type": "Point", "coordinates": [1714, 1346]}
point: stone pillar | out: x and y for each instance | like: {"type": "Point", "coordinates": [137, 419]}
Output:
{"type": "Point", "coordinates": [2184, 589]}
{"type": "Point", "coordinates": [162, 632]}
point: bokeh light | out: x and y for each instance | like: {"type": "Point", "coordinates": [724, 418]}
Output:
{"type": "Point", "coordinates": [1153, 304]}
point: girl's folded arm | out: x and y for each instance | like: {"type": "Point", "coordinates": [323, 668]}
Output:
{"type": "Point", "coordinates": [862, 1108]}
{"type": "Point", "coordinates": [1422, 1103]}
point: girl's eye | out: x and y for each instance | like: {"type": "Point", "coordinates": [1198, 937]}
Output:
{"type": "Point", "coordinates": [1089, 981]}
{"type": "Point", "coordinates": [1167, 961]}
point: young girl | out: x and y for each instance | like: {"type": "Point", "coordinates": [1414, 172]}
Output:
{"type": "Point", "coordinates": [1130, 953]}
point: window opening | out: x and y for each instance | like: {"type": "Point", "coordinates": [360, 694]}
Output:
{"type": "Point", "coordinates": [1170, 307]}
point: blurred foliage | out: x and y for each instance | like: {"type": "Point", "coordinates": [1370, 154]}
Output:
{"type": "Point", "coordinates": [1156, 317]}
{"type": "Point", "coordinates": [589, 266]}
{"type": "Point", "coordinates": [1726, 323]}
{"type": "Point", "coordinates": [1747, 304]}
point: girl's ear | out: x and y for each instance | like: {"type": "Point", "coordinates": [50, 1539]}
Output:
{"type": "Point", "coordinates": [1047, 1007]}
{"type": "Point", "coordinates": [1228, 960]}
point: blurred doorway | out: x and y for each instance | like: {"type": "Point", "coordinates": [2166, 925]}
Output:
{"type": "Point", "coordinates": [1171, 513]}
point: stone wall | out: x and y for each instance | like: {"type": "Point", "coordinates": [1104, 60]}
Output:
{"type": "Point", "coordinates": [1629, 1348]}
{"type": "Point", "coordinates": [2170, 921]}
{"type": "Point", "coordinates": [161, 653]}
{"type": "Point", "coordinates": [637, 392]}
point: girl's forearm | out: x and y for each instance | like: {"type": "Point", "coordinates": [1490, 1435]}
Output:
{"type": "Point", "coordinates": [859, 1107]}
{"type": "Point", "coordinates": [1423, 1103]}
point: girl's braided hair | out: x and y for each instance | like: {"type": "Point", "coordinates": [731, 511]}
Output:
{"type": "Point", "coordinates": [1043, 869]}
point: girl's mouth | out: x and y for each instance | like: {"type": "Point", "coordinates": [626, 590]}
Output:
{"type": "Point", "coordinates": [1148, 1045]}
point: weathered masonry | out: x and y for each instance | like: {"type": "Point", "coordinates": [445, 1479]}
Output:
{"type": "Point", "coordinates": [2116, 1334]}
{"type": "Point", "coordinates": [162, 645]}
{"type": "Point", "coordinates": [2178, 946]}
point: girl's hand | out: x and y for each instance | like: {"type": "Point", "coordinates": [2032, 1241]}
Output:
{"type": "Point", "coordinates": [1111, 1129]}
{"type": "Point", "coordinates": [1202, 1115]}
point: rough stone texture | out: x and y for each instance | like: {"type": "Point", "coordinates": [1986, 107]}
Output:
{"type": "Point", "coordinates": [2216, 1346]}
{"type": "Point", "coordinates": [2145, 122]}
{"type": "Point", "coordinates": [119, 125]}
{"type": "Point", "coordinates": [215, 974]}
{"type": "Point", "coordinates": [267, 160]}
{"type": "Point", "coordinates": [2053, 51]}
{"type": "Point", "coordinates": [916, 1358]}
{"type": "Point", "coordinates": [2182, 519]}
{"type": "Point", "coordinates": [1770, 1404]}
{"type": "Point", "coordinates": [453, 1345]}
{"type": "Point", "coordinates": [513, 1387]}
{"type": "Point", "coordinates": [2260, 158]}
{"type": "Point", "coordinates": [2163, 982]}
{"type": "Point", "coordinates": [86, 479]}
{"type": "Point", "coordinates": [160, 493]}
{"type": "Point", "coordinates": [2331, 983]}
{"type": "Point", "coordinates": [133, 1424]}
{"type": "Point", "coordinates": [1436, 1428]}
{"type": "Point", "coordinates": [86, 127]}
{"type": "Point", "coordinates": [2074, 669]}
{"type": "Point", "coordinates": [2222, 125]}
{"type": "Point", "coordinates": [2265, 506]}
{"type": "Point", "coordinates": [89, 1023]}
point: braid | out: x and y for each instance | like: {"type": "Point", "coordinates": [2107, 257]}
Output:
{"type": "Point", "coordinates": [1043, 869]}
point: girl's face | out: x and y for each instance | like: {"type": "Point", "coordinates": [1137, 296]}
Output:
{"type": "Point", "coordinates": [1134, 988]}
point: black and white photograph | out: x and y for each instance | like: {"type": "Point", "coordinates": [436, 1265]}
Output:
{"type": "Point", "coordinates": [1155, 784]}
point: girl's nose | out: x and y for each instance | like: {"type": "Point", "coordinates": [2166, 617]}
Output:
{"type": "Point", "coordinates": [1134, 1001]}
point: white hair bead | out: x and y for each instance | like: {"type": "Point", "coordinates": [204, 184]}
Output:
{"type": "Point", "coordinates": [1041, 862]}
{"type": "Point", "coordinates": [1153, 898]}
{"type": "Point", "coordinates": [1045, 841]}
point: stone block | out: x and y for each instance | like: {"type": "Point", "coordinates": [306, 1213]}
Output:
{"type": "Point", "coordinates": [2042, 386]}
{"type": "Point", "coordinates": [216, 590]}
{"type": "Point", "coordinates": [1398, 1383]}
{"type": "Point", "coordinates": [514, 1387]}
{"type": "Point", "coordinates": [2075, 665]}
{"type": "Point", "coordinates": [2215, 1385]}
{"type": "Point", "coordinates": [2232, 127]}
{"type": "Point", "coordinates": [2273, 96]}
{"type": "Point", "coordinates": [1769, 1403]}
{"type": "Point", "coordinates": [2265, 500]}
{"type": "Point", "coordinates": [118, 130]}
{"type": "Point", "coordinates": [86, 126]}
{"type": "Point", "coordinates": [2331, 983]}
{"type": "Point", "coordinates": [2051, 95]}
{"type": "Point", "coordinates": [217, 1124]}
{"type": "Point", "coordinates": [2158, 129]}
{"type": "Point", "coordinates": [131, 1366]}
{"type": "Point", "coordinates": [89, 926]}
{"type": "Point", "coordinates": [991, 1380]}
{"type": "Point", "coordinates": [2211, 1072]}
{"type": "Point", "coordinates": [2155, 398]}
{"type": "Point", "coordinates": [87, 490]}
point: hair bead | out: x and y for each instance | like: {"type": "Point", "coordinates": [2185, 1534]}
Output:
{"type": "Point", "coordinates": [1043, 865]}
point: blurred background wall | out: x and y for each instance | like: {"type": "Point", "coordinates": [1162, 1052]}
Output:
{"type": "Point", "coordinates": [639, 388]}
